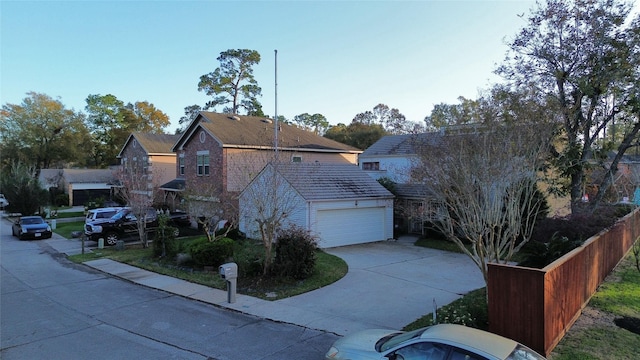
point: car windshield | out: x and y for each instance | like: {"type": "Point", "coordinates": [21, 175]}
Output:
{"type": "Point", "coordinates": [119, 215]}
{"type": "Point", "coordinates": [393, 340]}
{"type": "Point", "coordinates": [31, 221]}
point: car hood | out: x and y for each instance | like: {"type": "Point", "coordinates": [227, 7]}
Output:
{"type": "Point", "coordinates": [362, 342]}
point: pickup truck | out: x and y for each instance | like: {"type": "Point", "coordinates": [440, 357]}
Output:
{"type": "Point", "coordinates": [124, 225]}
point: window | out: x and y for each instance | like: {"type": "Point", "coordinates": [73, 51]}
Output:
{"type": "Point", "coordinates": [296, 159]}
{"type": "Point", "coordinates": [371, 165]}
{"type": "Point", "coordinates": [423, 351]}
{"type": "Point", "coordinates": [202, 161]}
{"type": "Point", "coordinates": [181, 165]}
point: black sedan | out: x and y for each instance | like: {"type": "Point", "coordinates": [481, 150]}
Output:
{"type": "Point", "coordinates": [31, 227]}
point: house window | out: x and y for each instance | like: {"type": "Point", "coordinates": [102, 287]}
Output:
{"type": "Point", "coordinates": [202, 161]}
{"type": "Point", "coordinates": [181, 164]}
{"type": "Point", "coordinates": [374, 165]}
{"type": "Point", "coordinates": [296, 159]}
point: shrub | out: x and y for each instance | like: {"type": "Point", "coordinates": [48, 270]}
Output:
{"type": "Point", "coordinates": [538, 254]}
{"type": "Point", "coordinates": [295, 253]}
{"type": "Point", "coordinates": [165, 243]}
{"type": "Point", "coordinates": [249, 256]}
{"type": "Point", "coordinates": [211, 253]}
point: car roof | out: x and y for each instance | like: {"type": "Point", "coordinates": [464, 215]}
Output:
{"type": "Point", "coordinates": [31, 217]}
{"type": "Point", "coordinates": [464, 336]}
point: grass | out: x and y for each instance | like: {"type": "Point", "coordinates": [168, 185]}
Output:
{"type": "Point", "coordinates": [70, 214]}
{"type": "Point", "coordinates": [328, 269]}
{"type": "Point", "coordinates": [618, 296]}
{"type": "Point", "coordinates": [66, 228]}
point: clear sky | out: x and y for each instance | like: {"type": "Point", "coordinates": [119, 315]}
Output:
{"type": "Point", "coordinates": [336, 58]}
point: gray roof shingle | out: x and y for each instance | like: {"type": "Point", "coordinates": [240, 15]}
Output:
{"type": "Point", "coordinates": [399, 144]}
{"type": "Point", "coordinates": [323, 181]}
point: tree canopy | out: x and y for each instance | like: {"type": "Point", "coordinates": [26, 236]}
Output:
{"type": "Point", "coordinates": [317, 123]}
{"type": "Point", "coordinates": [42, 133]}
{"type": "Point", "coordinates": [582, 57]}
{"type": "Point", "coordinates": [232, 84]}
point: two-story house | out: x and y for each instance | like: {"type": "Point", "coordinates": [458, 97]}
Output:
{"type": "Point", "coordinates": [221, 153]}
{"type": "Point", "coordinates": [150, 156]}
{"type": "Point", "coordinates": [393, 157]}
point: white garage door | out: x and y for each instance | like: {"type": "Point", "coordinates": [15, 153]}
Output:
{"type": "Point", "coordinates": [350, 226]}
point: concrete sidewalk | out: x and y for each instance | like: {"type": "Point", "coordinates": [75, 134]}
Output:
{"type": "Point", "coordinates": [389, 284]}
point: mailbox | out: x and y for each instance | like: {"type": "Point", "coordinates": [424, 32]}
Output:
{"type": "Point", "coordinates": [229, 271]}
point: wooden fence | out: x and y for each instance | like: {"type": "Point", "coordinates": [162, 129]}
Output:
{"type": "Point", "coordinates": [537, 306]}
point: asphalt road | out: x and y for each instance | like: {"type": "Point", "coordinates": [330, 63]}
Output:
{"type": "Point", "coordinates": [51, 308]}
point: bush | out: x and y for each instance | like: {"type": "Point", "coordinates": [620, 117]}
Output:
{"type": "Point", "coordinates": [165, 243]}
{"type": "Point", "coordinates": [538, 254]}
{"type": "Point", "coordinates": [211, 253]}
{"type": "Point", "coordinates": [61, 200]}
{"type": "Point", "coordinates": [249, 257]}
{"type": "Point", "coordinates": [295, 253]}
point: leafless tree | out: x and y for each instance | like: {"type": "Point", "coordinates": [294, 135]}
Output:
{"type": "Point", "coordinates": [138, 191]}
{"type": "Point", "coordinates": [213, 209]}
{"type": "Point", "coordinates": [484, 180]}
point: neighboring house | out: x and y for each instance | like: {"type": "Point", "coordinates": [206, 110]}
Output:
{"type": "Point", "coordinates": [393, 157]}
{"type": "Point", "coordinates": [223, 152]}
{"type": "Point", "coordinates": [339, 203]}
{"type": "Point", "coordinates": [80, 185]}
{"type": "Point", "coordinates": [152, 156]}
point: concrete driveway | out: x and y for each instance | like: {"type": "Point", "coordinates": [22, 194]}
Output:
{"type": "Point", "coordinates": [389, 285]}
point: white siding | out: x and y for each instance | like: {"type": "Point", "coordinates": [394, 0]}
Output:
{"type": "Point", "coordinates": [396, 168]}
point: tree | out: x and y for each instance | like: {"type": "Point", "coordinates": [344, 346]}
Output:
{"type": "Point", "coordinates": [213, 209]}
{"type": "Point", "coordinates": [21, 187]}
{"type": "Point", "coordinates": [317, 123]}
{"type": "Point", "coordinates": [356, 134]}
{"type": "Point", "coordinates": [111, 122]}
{"type": "Point", "coordinates": [446, 115]}
{"type": "Point", "coordinates": [483, 184]}
{"type": "Point", "coordinates": [232, 84]}
{"type": "Point", "coordinates": [583, 57]}
{"type": "Point", "coordinates": [190, 113]}
{"type": "Point", "coordinates": [391, 120]}
{"type": "Point", "coordinates": [136, 190]}
{"type": "Point", "coordinates": [42, 133]}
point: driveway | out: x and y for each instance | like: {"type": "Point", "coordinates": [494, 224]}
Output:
{"type": "Point", "coordinates": [389, 285]}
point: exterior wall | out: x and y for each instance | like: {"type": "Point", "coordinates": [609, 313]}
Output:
{"type": "Point", "coordinates": [207, 183]}
{"type": "Point", "coordinates": [244, 164]}
{"type": "Point", "coordinates": [163, 168]}
{"type": "Point", "coordinates": [396, 168]}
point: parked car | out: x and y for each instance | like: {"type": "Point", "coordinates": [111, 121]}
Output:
{"type": "Point", "coordinates": [438, 342]}
{"type": "Point", "coordinates": [31, 227]}
{"type": "Point", "coordinates": [124, 225]}
{"type": "Point", "coordinates": [3, 201]}
{"type": "Point", "coordinates": [100, 213]}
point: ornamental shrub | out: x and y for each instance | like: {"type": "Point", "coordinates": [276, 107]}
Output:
{"type": "Point", "coordinates": [295, 253]}
{"type": "Point", "coordinates": [211, 253]}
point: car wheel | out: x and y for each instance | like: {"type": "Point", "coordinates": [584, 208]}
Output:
{"type": "Point", "coordinates": [111, 239]}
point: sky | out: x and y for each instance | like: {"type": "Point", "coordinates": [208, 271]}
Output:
{"type": "Point", "coordinates": [336, 58]}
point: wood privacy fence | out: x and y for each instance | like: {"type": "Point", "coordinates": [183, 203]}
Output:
{"type": "Point", "coordinates": [537, 306]}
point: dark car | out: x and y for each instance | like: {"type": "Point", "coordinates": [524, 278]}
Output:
{"type": "Point", "coordinates": [31, 227]}
{"type": "Point", "coordinates": [123, 225]}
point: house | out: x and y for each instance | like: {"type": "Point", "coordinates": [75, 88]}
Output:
{"type": "Point", "coordinates": [80, 185]}
{"type": "Point", "coordinates": [221, 153]}
{"type": "Point", "coordinates": [392, 157]}
{"type": "Point", "coordinates": [151, 155]}
{"type": "Point", "coordinates": [339, 203]}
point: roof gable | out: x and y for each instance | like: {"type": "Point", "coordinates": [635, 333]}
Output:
{"type": "Point", "coordinates": [259, 132]}
{"type": "Point", "coordinates": [153, 144]}
{"type": "Point", "coordinates": [323, 181]}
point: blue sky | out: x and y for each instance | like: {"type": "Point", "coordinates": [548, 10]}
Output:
{"type": "Point", "coordinates": [336, 58]}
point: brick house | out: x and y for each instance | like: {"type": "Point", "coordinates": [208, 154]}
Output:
{"type": "Point", "coordinates": [221, 153]}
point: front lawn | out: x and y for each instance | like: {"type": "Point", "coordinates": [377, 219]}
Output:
{"type": "Point", "coordinates": [66, 228]}
{"type": "Point", "coordinates": [328, 269]}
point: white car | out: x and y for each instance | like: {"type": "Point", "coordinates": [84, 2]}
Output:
{"type": "Point", "coordinates": [3, 201]}
{"type": "Point", "coordinates": [100, 213]}
{"type": "Point", "coordinates": [437, 342]}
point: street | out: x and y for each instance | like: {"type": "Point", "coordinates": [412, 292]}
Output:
{"type": "Point", "coordinates": [52, 308]}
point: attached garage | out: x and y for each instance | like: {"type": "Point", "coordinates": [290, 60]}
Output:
{"type": "Point", "coordinates": [339, 203]}
{"type": "Point", "coordinates": [351, 226]}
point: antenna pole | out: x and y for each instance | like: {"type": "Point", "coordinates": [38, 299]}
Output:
{"type": "Point", "coordinates": [276, 103]}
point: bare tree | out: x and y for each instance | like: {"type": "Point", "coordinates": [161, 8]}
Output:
{"type": "Point", "coordinates": [485, 182]}
{"type": "Point", "coordinates": [138, 191]}
{"type": "Point", "coordinates": [267, 204]}
{"type": "Point", "coordinates": [213, 210]}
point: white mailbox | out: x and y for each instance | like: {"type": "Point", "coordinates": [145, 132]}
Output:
{"type": "Point", "coordinates": [229, 272]}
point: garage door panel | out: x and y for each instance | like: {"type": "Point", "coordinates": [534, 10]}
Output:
{"type": "Point", "coordinates": [350, 226]}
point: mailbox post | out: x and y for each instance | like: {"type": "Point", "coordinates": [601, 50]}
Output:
{"type": "Point", "coordinates": [229, 272]}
